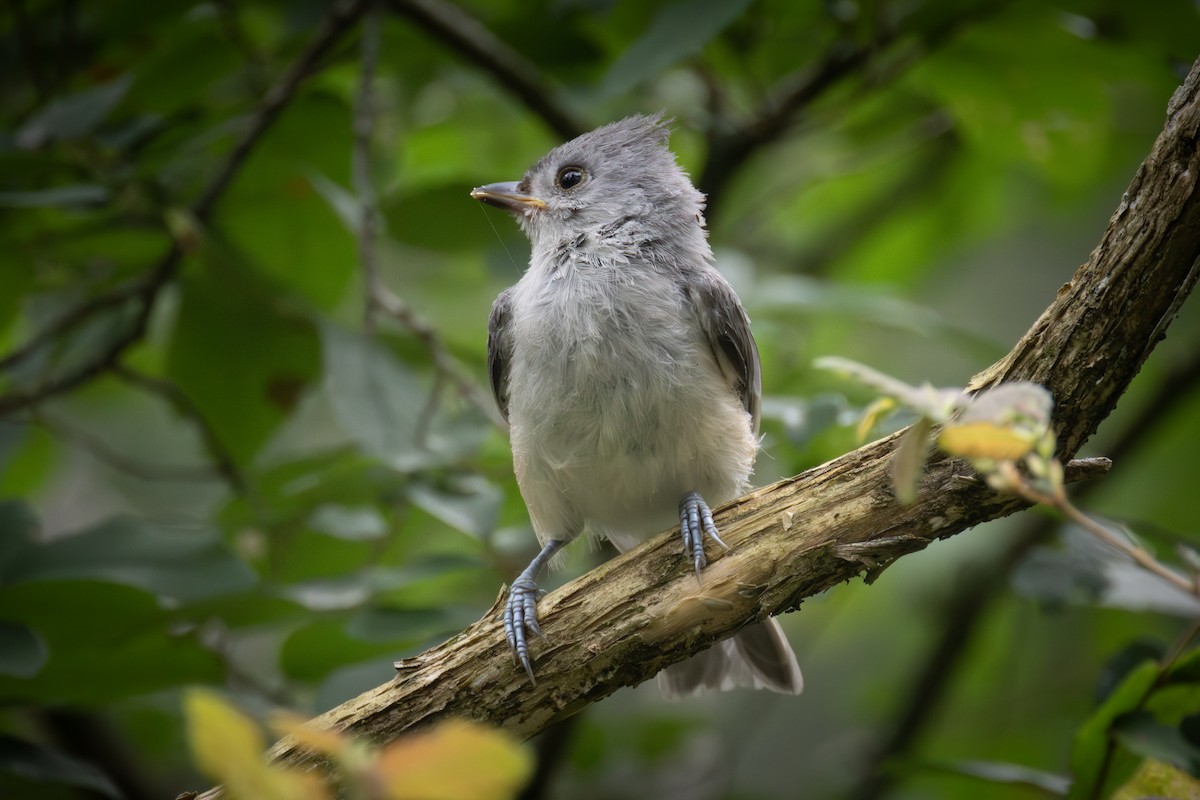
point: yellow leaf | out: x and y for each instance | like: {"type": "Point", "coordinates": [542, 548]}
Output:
{"type": "Point", "coordinates": [316, 740]}
{"type": "Point", "coordinates": [453, 760]}
{"type": "Point", "coordinates": [228, 747]}
{"type": "Point", "coordinates": [872, 415]}
{"type": "Point", "coordinates": [985, 440]}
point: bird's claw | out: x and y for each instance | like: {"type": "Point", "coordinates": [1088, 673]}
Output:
{"type": "Point", "coordinates": [520, 615]}
{"type": "Point", "coordinates": [696, 522]}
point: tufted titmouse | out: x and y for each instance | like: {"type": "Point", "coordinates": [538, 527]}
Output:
{"type": "Point", "coordinates": [625, 365]}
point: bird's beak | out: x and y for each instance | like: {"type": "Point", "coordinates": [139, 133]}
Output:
{"type": "Point", "coordinates": [506, 196]}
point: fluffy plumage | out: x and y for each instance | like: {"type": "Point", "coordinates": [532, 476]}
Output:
{"type": "Point", "coordinates": [625, 365]}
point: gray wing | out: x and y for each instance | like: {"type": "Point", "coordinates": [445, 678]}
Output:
{"type": "Point", "coordinates": [499, 344]}
{"type": "Point", "coordinates": [727, 328]}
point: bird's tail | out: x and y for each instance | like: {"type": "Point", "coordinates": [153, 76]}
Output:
{"type": "Point", "coordinates": [758, 657]}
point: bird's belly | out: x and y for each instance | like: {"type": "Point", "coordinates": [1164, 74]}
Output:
{"type": "Point", "coordinates": [622, 428]}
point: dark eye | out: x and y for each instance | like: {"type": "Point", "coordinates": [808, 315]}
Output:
{"type": "Point", "coordinates": [570, 177]}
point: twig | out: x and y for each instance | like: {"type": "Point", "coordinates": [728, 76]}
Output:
{"type": "Point", "coordinates": [146, 290]}
{"type": "Point", "coordinates": [975, 595]}
{"type": "Point", "coordinates": [102, 452]}
{"type": "Point", "coordinates": [443, 360]}
{"type": "Point", "coordinates": [470, 39]}
{"type": "Point", "coordinates": [368, 206]}
{"type": "Point", "coordinates": [786, 103]}
{"type": "Point", "coordinates": [223, 461]}
{"type": "Point", "coordinates": [1058, 499]}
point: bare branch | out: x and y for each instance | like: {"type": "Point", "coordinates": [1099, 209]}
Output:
{"type": "Point", "coordinates": [475, 43]}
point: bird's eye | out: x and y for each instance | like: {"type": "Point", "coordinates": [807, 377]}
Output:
{"type": "Point", "coordinates": [570, 177]}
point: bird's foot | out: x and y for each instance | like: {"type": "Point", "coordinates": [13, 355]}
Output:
{"type": "Point", "coordinates": [520, 615]}
{"type": "Point", "coordinates": [696, 522]}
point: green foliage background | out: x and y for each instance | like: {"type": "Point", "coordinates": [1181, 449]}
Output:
{"type": "Point", "coordinates": [245, 489]}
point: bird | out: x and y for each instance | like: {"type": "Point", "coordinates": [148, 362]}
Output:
{"type": "Point", "coordinates": [626, 368]}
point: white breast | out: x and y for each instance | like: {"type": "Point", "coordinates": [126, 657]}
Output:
{"type": "Point", "coordinates": [617, 405]}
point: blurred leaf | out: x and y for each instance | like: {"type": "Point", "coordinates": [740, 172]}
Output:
{"type": "Point", "coordinates": [121, 638]}
{"type": "Point", "coordinates": [376, 398]}
{"type": "Point", "coordinates": [1089, 751]}
{"type": "Point", "coordinates": [984, 440]}
{"type": "Point", "coordinates": [1149, 738]}
{"type": "Point", "coordinates": [182, 564]}
{"type": "Point", "coordinates": [453, 760]}
{"type": "Point", "coordinates": [1154, 780]}
{"type": "Point", "coordinates": [678, 30]}
{"type": "Point", "coordinates": [313, 651]}
{"type": "Point", "coordinates": [22, 651]}
{"type": "Point", "coordinates": [242, 361]}
{"type": "Point", "coordinates": [59, 196]}
{"type": "Point", "coordinates": [469, 503]}
{"type": "Point", "coordinates": [909, 460]}
{"type": "Point", "coordinates": [1002, 773]}
{"type": "Point", "coordinates": [361, 524]}
{"type": "Point", "coordinates": [44, 766]}
{"type": "Point", "coordinates": [409, 624]}
{"type": "Point", "coordinates": [17, 526]}
{"type": "Point", "coordinates": [1086, 570]}
{"type": "Point", "coordinates": [73, 116]}
{"type": "Point", "coordinates": [274, 214]}
{"type": "Point", "coordinates": [432, 216]}
{"type": "Point", "coordinates": [228, 748]}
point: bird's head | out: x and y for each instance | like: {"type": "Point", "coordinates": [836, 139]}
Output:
{"type": "Point", "coordinates": [608, 179]}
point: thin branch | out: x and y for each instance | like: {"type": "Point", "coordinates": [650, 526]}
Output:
{"type": "Point", "coordinates": [223, 460]}
{"type": "Point", "coordinates": [443, 360]}
{"type": "Point", "coordinates": [975, 596]}
{"type": "Point", "coordinates": [466, 36]}
{"type": "Point", "coordinates": [106, 454]}
{"type": "Point", "coordinates": [622, 622]}
{"type": "Point", "coordinates": [368, 205]}
{"type": "Point", "coordinates": [146, 290]}
{"type": "Point", "coordinates": [785, 105]}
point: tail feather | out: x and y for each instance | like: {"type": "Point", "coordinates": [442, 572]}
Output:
{"type": "Point", "coordinates": [758, 657]}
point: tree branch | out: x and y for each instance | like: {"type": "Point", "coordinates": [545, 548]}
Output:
{"type": "Point", "coordinates": [787, 101]}
{"type": "Point", "coordinates": [466, 36]}
{"type": "Point", "coordinates": [146, 290]}
{"type": "Point", "coordinates": [622, 622]}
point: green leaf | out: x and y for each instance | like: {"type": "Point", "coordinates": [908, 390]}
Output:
{"type": "Point", "coordinates": [315, 650]}
{"type": "Point", "coordinates": [22, 651]}
{"type": "Point", "coordinates": [105, 641]}
{"type": "Point", "coordinates": [1004, 773]}
{"type": "Point", "coordinates": [1090, 747]}
{"type": "Point", "coordinates": [186, 565]}
{"type": "Point", "coordinates": [376, 398]}
{"type": "Point", "coordinates": [73, 116]}
{"type": "Point", "coordinates": [45, 766]}
{"type": "Point", "coordinates": [1146, 736]}
{"type": "Point", "coordinates": [241, 359]}
{"type": "Point", "coordinates": [358, 524]}
{"type": "Point", "coordinates": [677, 31]}
{"type": "Point", "coordinates": [469, 503]}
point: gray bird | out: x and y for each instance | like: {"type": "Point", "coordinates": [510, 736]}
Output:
{"type": "Point", "coordinates": [625, 366]}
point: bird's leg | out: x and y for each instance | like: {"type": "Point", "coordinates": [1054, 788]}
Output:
{"type": "Point", "coordinates": [520, 611]}
{"type": "Point", "coordinates": [696, 522]}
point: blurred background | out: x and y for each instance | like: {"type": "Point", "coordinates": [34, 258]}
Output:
{"type": "Point", "coordinates": [245, 434]}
